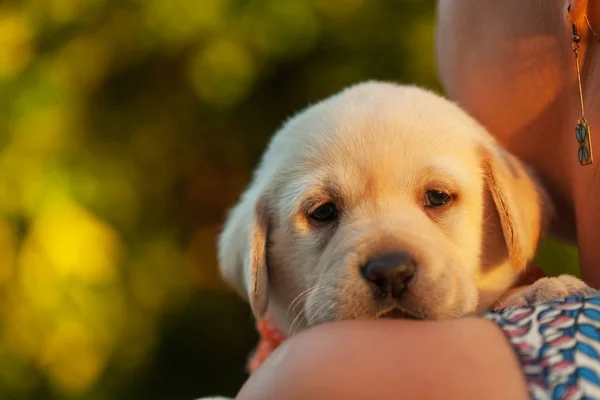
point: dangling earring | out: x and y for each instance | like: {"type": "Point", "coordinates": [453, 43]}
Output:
{"type": "Point", "coordinates": [582, 130]}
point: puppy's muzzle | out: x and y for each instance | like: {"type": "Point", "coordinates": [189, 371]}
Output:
{"type": "Point", "coordinates": [389, 275]}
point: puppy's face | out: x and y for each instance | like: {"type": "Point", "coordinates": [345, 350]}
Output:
{"type": "Point", "coordinates": [383, 201]}
{"type": "Point", "coordinates": [391, 227]}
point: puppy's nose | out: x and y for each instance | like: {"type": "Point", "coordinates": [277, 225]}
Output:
{"type": "Point", "coordinates": [389, 274]}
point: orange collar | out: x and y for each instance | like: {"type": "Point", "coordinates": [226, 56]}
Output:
{"type": "Point", "coordinates": [270, 338]}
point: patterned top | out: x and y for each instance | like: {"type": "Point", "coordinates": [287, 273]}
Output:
{"type": "Point", "coordinates": [558, 345]}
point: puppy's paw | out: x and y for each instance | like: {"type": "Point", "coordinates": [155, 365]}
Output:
{"type": "Point", "coordinates": [546, 289]}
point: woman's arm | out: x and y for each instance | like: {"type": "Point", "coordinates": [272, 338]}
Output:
{"type": "Point", "coordinates": [392, 359]}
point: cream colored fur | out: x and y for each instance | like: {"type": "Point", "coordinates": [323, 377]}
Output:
{"type": "Point", "coordinates": [374, 150]}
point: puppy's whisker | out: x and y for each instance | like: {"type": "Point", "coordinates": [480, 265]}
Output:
{"type": "Point", "coordinates": [322, 311]}
{"type": "Point", "coordinates": [293, 324]}
{"type": "Point", "coordinates": [306, 294]}
{"type": "Point", "coordinates": [332, 305]}
{"type": "Point", "coordinates": [303, 296]}
{"type": "Point", "coordinates": [300, 321]}
{"type": "Point", "coordinates": [292, 328]}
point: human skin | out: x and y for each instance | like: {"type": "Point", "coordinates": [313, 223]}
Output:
{"type": "Point", "coordinates": [391, 359]}
{"type": "Point", "coordinates": [510, 64]}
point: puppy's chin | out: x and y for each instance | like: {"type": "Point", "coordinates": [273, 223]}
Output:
{"type": "Point", "coordinates": [440, 304]}
{"type": "Point", "coordinates": [399, 313]}
{"type": "Point", "coordinates": [395, 312]}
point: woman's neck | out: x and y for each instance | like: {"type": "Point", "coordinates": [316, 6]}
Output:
{"type": "Point", "coordinates": [585, 180]}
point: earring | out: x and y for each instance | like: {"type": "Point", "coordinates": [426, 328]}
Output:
{"type": "Point", "coordinates": [582, 130]}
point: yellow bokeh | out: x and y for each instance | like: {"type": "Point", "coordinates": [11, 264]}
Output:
{"type": "Point", "coordinates": [282, 29]}
{"type": "Point", "coordinates": [180, 20]}
{"type": "Point", "coordinates": [72, 357]}
{"type": "Point", "coordinates": [66, 310]}
{"type": "Point", "coordinates": [8, 244]}
{"type": "Point", "coordinates": [15, 42]}
{"type": "Point", "coordinates": [21, 184]}
{"type": "Point", "coordinates": [153, 281]}
{"type": "Point", "coordinates": [76, 243]}
{"type": "Point", "coordinates": [340, 7]}
{"type": "Point", "coordinates": [46, 130]}
{"type": "Point", "coordinates": [89, 71]}
{"type": "Point", "coordinates": [14, 369]}
{"type": "Point", "coordinates": [24, 327]}
{"type": "Point", "coordinates": [223, 72]}
{"type": "Point", "coordinates": [60, 11]}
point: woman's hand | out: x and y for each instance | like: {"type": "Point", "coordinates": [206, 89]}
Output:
{"type": "Point", "coordinates": [529, 277]}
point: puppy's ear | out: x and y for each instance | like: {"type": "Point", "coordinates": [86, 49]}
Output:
{"type": "Point", "coordinates": [242, 252]}
{"type": "Point", "coordinates": [521, 203]}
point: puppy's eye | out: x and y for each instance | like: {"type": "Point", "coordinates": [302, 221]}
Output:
{"type": "Point", "coordinates": [324, 213]}
{"type": "Point", "coordinates": [436, 198]}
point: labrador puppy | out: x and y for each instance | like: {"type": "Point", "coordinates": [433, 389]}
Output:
{"type": "Point", "coordinates": [384, 201]}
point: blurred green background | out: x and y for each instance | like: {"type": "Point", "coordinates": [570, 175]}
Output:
{"type": "Point", "coordinates": [127, 129]}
